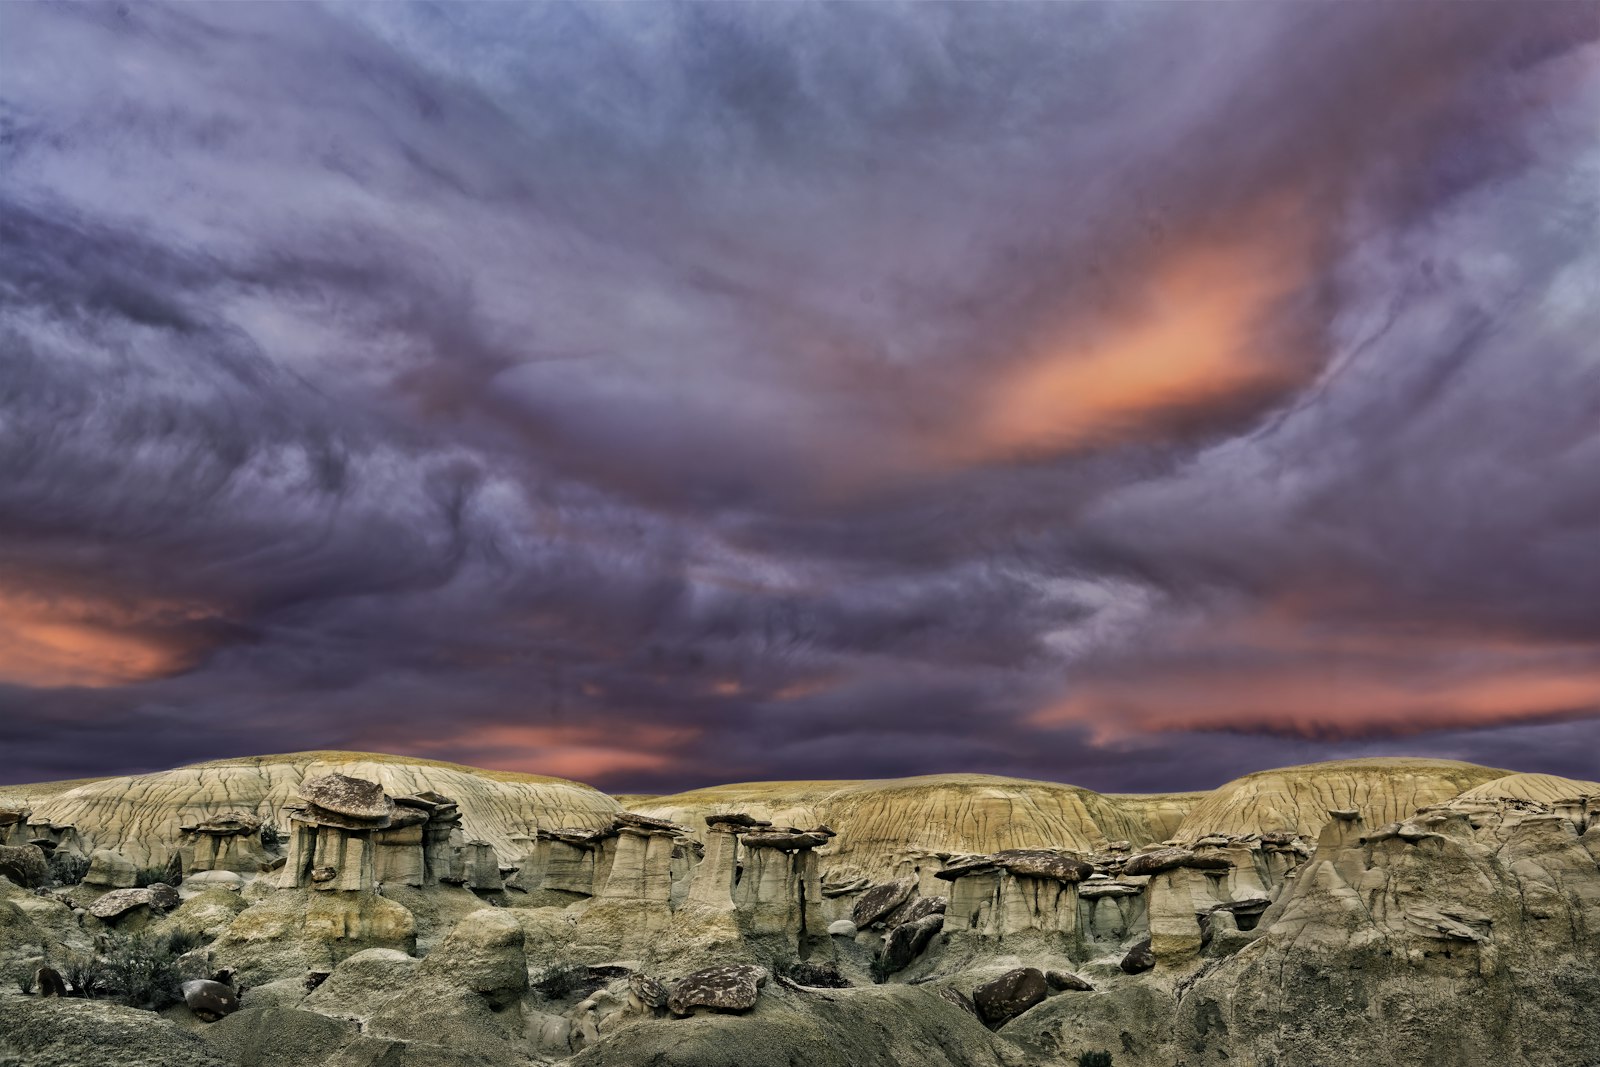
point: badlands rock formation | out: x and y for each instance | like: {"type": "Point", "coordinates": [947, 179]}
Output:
{"type": "Point", "coordinates": [144, 816]}
{"type": "Point", "coordinates": [902, 826]}
{"type": "Point", "coordinates": [347, 910]}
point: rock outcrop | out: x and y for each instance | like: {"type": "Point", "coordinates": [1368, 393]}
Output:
{"type": "Point", "coordinates": [24, 865]}
{"type": "Point", "coordinates": [144, 816]}
{"type": "Point", "coordinates": [891, 829]}
{"type": "Point", "coordinates": [1298, 799]}
{"type": "Point", "coordinates": [1425, 914]}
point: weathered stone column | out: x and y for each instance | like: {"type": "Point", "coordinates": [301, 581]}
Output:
{"type": "Point", "coordinates": [482, 867]}
{"type": "Point", "coordinates": [1174, 928]}
{"type": "Point", "coordinates": [974, 898]}
{"type": "Point", "coordinates": [343, 861]}
{"type": "Point", "coordinates": [569, 866]}
{"type": "Point", "coordinates": [713, 877]}
{"type": "Point", "coordinates": [302, 849]}
{"type": "Point", "coordinates": [629, 875]}
{"type": "Point", "coordinates": [772, 894]}
{"type": "Point", "coordinates": [767, 894]}
{"type": "Point", "coordinates": [1026, 903]}
{"type": "Point", "coordinates": [14, 826]}
{"type": "Point", "coordinates": [530, 857]}
{"type": "Point", "coordinates": [813, 917]}
{"type": "Point", "coordinates": [401, 855]}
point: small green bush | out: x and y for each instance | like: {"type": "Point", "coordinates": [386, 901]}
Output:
{"type": "Point", "coordinates": [569, 980]}
{"type": "Point", "coordinates": [85, 973]}
{"type": "Point", "coordinates": [148, 876]}
{"type": "Point", "coordinates": [816, 975]}
{"type": "Point", "coordinates": [142, 971]}
{"type": "Point", "coordinates": [68, 868]}
{"type": "Point", "coordinates": [181, 941]}
{"type": "Point", "coordinates": [1094, 1059]}
{"type": "Point", "coordinates": [880, 969]}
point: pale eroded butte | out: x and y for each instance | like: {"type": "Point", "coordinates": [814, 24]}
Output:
{"type": "Point", "coordinates": [140, 815]}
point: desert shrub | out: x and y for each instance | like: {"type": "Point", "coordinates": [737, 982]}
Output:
{"type": "Point", "coordinates": [25, 982]}
{"type": "Point", "coordinates": [148, 876]}
{"type": "Point", "coordinates": [880, 969]}
{"type": "Point", "coordinates": [570, 980]}
{"type": "Point", "coordinates": [85, 973]}
{"type": "Point", "coordinates": [270, 838]}
{"type": "Point", "coordinates": [142, 971]}
{"type": "Point", "coordinates": [820, 976]}
{"type": "Point", "coordinates": [1094, 1059]}
{"type": "Point", "coordinates": [68, 868]}
{"type": "Point", "coordinates": [181, 941]}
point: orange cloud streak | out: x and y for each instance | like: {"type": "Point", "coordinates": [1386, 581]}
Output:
{"type": "Point", "coordinates": [1278, 670]}
{"type": "Point", "coordinates": [578, 752]}
{"type": "Point", "coordinates": [67, 641]}
{"type": "Point", "coordinates": [1190, 340]}
{"type": "Point", "coordinates": [1327, 703]}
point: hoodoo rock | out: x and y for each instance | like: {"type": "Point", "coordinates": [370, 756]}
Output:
{"type": "Point", "coordinates": [1402, 912]}
{"type": "Point", "coordinates": [1164, 859]}
{"type": "Point", "coordinates": [735, 819]}
{"type": "Point", "coordinates": [356, 798]}
{"type": "Point", "coordinates": [1043, 863]}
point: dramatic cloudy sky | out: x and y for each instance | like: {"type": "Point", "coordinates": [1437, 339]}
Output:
{"type": "Point", "coordinates": [1129, 395]}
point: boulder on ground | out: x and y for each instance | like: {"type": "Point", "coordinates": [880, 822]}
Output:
{"type": "Point", "coordinates": [162, 897]}
{"type": "Point", "coordinates": [1065, 980]}
{"type": "Point", "coordinates": [117, 903]}
{"type": "Point", "coordinates": [210, 1000]}
{"type": "Point", "coordinates": [25, 865]}
{"type": "Point", "coordinates": [112, 869]}
{"type": "Point", "coordinates": [730, 988]}
{"type": "Point", "coordinates": [906, 942]}
{"type": "Point", "coordinates": [880, 900]}
{"type": "Point", "coordinates": [648, 991]}
{"type": "Point", "coordinates": [842, 928]}
{"type": "Point", "coordinates": [1002, 999]}
{"type": "Point", "coordinates": [1139, 958]}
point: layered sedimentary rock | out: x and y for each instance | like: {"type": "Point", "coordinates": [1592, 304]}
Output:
{"type": "Point", "coordinates": [1431, 943]}
{"type": "Point", "coordinates": [892, 828]}
{"type": "Point", "coordinates": [144, 816]}
{"type": "Point", "coordinates": [1460, 930]}
{"type": "Point", "coordinates": [1298, 799]}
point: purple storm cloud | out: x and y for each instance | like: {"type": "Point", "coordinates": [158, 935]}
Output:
{"type": "Point", "coordinates": [661, 395]}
